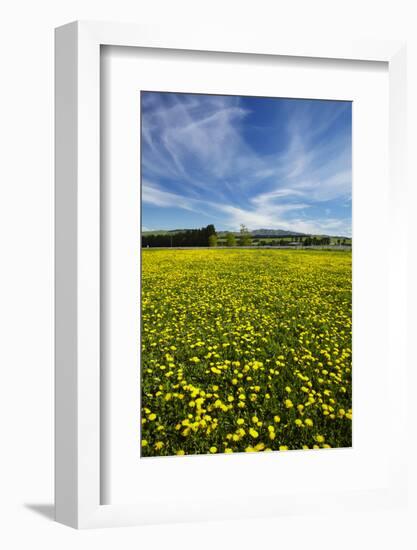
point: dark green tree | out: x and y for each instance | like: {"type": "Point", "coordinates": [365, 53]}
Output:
{"type": "Point", "coordinates": [182, 237]}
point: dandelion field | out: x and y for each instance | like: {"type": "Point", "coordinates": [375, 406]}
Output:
{"type": "Point", "coordinates": [245, 351]}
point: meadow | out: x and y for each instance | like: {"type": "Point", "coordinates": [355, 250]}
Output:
{"type": "Point", "coordinates": [245, 351]}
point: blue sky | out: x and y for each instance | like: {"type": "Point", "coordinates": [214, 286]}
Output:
{"type": "Point", "coordinates": [265, 162]}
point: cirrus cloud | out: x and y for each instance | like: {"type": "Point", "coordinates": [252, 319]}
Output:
{"type": "Point", "coordinates": [230, 159]}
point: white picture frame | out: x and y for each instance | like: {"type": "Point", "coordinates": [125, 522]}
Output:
{"type": "Point", "coordinates": [78, 479]}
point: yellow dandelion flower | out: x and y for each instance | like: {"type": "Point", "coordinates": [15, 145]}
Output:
{"type": "Point", "coordinates": [253, 433]}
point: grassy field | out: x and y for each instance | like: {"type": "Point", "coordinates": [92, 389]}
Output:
{"type": "Point", "coordinates": [245, 350]}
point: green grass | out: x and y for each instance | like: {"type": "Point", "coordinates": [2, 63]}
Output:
{"type": "Point", "coordinates": [245, 350]}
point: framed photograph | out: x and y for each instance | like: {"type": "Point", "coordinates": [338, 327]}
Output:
{"type": "Point", "coordinates": [228, 321]}
{"type": "Point", "coordinates": [247, 321]}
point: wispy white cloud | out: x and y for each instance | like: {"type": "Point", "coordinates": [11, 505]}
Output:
{"type": "Point", "coordinates": [264, 213]}
{"type": "Point", "coordinates": [153, 194]}
{"type": "Point", "coordinates": [195, 157]}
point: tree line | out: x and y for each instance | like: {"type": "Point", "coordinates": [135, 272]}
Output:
{"type": "Point", "coordinates": [303, 241]}
{"type": "Point", "coordinates": [207, 236]}
{"type": "Point", "coordinates": [188, 237]}
{"type": "Point", "coordinates": [316, 241]}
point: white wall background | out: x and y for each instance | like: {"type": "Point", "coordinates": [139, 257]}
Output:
{"type": "Point", "coordinates": [26, 270]}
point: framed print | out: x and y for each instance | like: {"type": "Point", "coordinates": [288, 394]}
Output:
{"type": "Point", "coordinates": [224, 308]}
